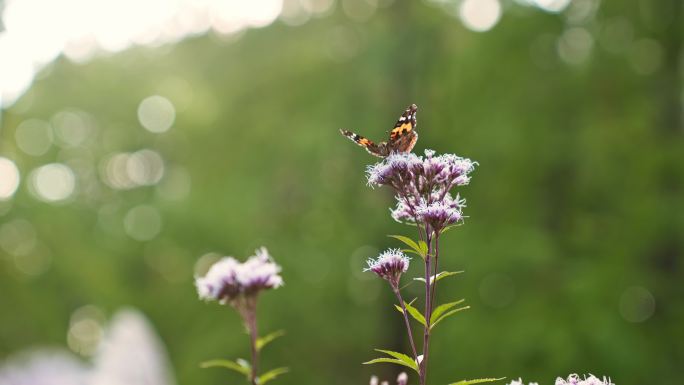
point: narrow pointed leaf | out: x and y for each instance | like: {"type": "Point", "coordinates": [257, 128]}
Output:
{"type": "Point", "coordinates": [444, 230]}
{"type": "Point", "coordinates": [226, 364]}
{"type": "Point", "coordinates": [244, 363]}
{"type": "Point", "coordinates": [271, 375]}
{"type": "Point", "coordinates": [441, 309]}
{"type": "Point", "coordinates": [440, 275]}
{"type": "Point", "coordinates": [391, 361]}
{"type": "Point", "coordinates": [400, 356]}
{"type": "Point", "coordinates": [265, 340]}
{"type": "Point", "coordinates": [423, 247]}
{"type": "Point", "coordinates": [444, 274]}
{"type": "Point", "coordinates": [413, 312]}
{"type": "Point", "coordinates": [410, 243]}
{"type": "Point", "coordinates": [448, 314]}
{"type": "Point", "coordinates": [477, 381]}
{"type": "Point", "coordinates": [412, 252]}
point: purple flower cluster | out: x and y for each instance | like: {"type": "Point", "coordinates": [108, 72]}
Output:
{"type": "Point", "coordinates": [423, 186]}
{"type": "Point", "coordinates": [572, 379]}
{"type": "Point", "coordinates": [402, 379]}
{"type": "Point", "coordinates": [228, 279]}
{"type": "Point", "coordinates": [389, 265]}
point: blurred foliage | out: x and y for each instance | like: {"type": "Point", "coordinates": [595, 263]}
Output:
{"type": "Point", "coordinates": [578, 195]}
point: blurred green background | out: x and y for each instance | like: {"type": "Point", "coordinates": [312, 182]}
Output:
{"type": "Point", "coordinates": [221, 142]}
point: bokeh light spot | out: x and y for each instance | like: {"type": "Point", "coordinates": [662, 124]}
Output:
{"type": "Point", "coordinates": [574, 46]}
{"type": "Point", "coordinates": [553, 6]}
{"type": "Point", "coordinates": [18, 237]}
{"type": "Point", "coordinates": [480, 15]}
{"type": "Point", "coordinates": [53, 182]}
{"type": "Point", "coordinates": [497, 290]}
{"type": "Point", "coordinates": [71, 128]}
{"type": "Point", "coordinates": [205, 262]}
{"type": "Point", "coordinates": [85, 330]}
{"type": "Point", "coordinates": [617, 35]}
{"type": "Point", "coordinates": [637, 304]}
{"type": "Point", "coordinates": [9, 178]}
{"type": "Point", "coordinates": [364, 292]}
{"type": "Point", "coordinates": [145, 167]}
{"type": "Point", "coordinates": [175, 185]}
{"type": "Point", "coordinates": [34, 263]}
{"type": "Point", "coordinates": [156, 113]}
{"type": "Point", "coordinates": [359, 10]}
{"type": "Point", "coordinates": [34, 137]}
{"type": "Point", "coordinates": [143, 223]}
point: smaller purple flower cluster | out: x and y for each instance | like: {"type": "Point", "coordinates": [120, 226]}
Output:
{"type": "Point", "coordinates": [228, 279]}
{"type": "Point", "coordinates": [389, 265]}
{"type": "Point", "coordinates": [573, 379]}
{"type": "Point", "coordinates": [402, 379]}
{"type": "Point", "coordinates": [423, 186]}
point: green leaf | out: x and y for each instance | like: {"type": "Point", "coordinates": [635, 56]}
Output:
{"type": "Point", "coordinates": [448, 314]}
{"type": "Point", "coordinates": [271, 375]}
{"type": "Point", "coordinates": [401, 356]}
{"type": "Point", "coordinates": [477, 381]}
{"type": "Point", "coordinates": [238, 367]}
{"type": "Point", "coordinates": [444, 274]}
{"type": "Point", "coordinates": [415, 313]}
{"type": "Point", "coordinates": [423, 247]}
{"type": "Point", "coordinates": [418, 248]}
{"type": "Point", "coordinates": [440, 275]}
{"type": "Point", "coordinates": [444, 230]}
{"type": "Point", "coordinates": [263, 341]}
{"type": "Point", "coordinates": [439, 310]}
{"type": "Point", "coordinates": [412, 252]}
{"type": "Point", "coordinates": [391, 361]}
{"type": "Point", "coordinates": [244, 363]}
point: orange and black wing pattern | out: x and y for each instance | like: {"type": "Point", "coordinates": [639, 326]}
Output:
{"type": "Point", "coordinates": [379, 150]}
{"type": "Point", "coordinates": [402, 137]}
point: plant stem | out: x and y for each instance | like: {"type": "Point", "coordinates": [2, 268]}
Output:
{"type": "Point", "coordinates": [428, 308]}
{"type": "Point", "coordinates": [250, 319]}
{"type": "Point", "coordinates": [395, 288]}
{"type": "Point", "coordinates": [434, 284]}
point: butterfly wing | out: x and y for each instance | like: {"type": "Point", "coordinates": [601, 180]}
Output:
{"type": "Point", "coordinates": [404, 136]}
{"type": "Point", "coordinates": [379, 150]}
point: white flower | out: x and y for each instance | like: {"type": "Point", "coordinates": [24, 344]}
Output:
{"type": "Point", "coordinates": [228, 278]}
{"type": "Point", "coordinates": [220, 277]}
{"type": "Point", "coordinates": [389, 265]}
{"type": "Point", "coordinates": [259, 271]}
{"type": "Point", "coordinates": [573, 379]}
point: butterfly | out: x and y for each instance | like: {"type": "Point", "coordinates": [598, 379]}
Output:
{"type": "Point", "coordinates": [401, 140]}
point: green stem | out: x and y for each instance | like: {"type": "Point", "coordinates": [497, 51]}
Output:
{"type": "Point", "coordinates": [395, 288]}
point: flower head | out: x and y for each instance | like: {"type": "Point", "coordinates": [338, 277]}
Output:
{"type": "Point", "coordinates": [259, 272]}
{"type": "Point", "coordinates": [440, 214]}
{"type": "Point", "coordinates": [229, 279]}
{"type": "Point", "coordinates": [573, 379]}
{"type": "Point", "coordinates": [389, 265]}
{"type": "Point", "coordinates": [519, 381]}
{"type": "Point", "coordinates": [422, 185]}
{"type": "Point", "coordinates": [402, 379]}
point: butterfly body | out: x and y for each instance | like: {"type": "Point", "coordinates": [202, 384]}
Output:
{"type": "Point", "coordinates": [402, 139]}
